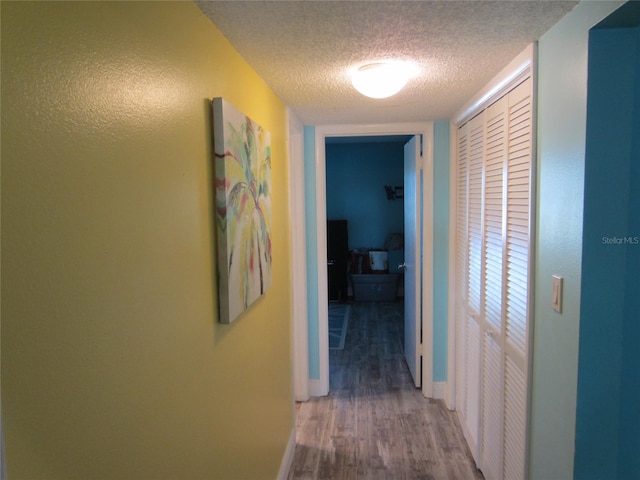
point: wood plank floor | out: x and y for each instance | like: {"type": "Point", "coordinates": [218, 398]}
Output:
{"type": "Point", "coordinates": [375, 424]}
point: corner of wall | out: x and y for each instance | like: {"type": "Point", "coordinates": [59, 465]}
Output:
{"type": "Point", "coordinates": [441, 163]}
{"type": "Point", "coordinates": [562, 73]}
{"type": "Point", "coordinates": [312, 249]}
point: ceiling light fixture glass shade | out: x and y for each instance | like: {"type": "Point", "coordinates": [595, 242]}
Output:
{"type": "Point", "coordinates": [381, 80]}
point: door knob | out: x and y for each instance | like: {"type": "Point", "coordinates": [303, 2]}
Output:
{"type": "Point", "coordinates": [402, 266]}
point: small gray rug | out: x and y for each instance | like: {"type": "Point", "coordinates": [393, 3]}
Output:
{"type": "Point", "coordinates": [338, 321]}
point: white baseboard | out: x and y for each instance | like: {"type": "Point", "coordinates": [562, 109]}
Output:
{"type": "Point", "coordinates": [287, 459]}
{"type": "Point", "coordinates": [315, 388]}
{"type": "Point", "coordinates": [438, 389]}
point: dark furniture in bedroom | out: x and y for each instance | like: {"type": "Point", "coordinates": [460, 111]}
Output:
{"type": "Point", "coordinates": [337, 259]}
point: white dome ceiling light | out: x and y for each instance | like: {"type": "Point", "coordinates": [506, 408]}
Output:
{"type": "Point", "coordinates": [381, 79]}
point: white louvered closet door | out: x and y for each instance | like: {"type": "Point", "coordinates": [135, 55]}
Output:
{"type": "Point", "coordinates": [469, 276]}
{"type": "Point", "coordinates": [472, 312]}
{"type": "Point", "coordinates": [493, 232]}
{"type": "Point", "coordinates": [461, 268]}
{"type": "Point", "coordinates": [518, 274]}
{"type": "Point", "coordinates": [493, 338]}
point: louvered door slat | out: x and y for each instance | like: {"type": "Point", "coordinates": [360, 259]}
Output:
{"type": "Point", "coordinates": [472, 406]}
{"type": "Point", "coordinates": [515, 411]}
{"type": "Point", "coordinates": [492, 421]}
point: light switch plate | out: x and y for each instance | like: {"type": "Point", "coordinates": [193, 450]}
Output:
{"type": "Point", "coordinates": [556, 293]}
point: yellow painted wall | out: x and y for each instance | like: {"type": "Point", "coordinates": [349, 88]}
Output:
{"type": "Point", "coordinates": [113, 363]}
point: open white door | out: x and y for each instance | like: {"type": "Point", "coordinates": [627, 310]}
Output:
{"type": "Point", "coordinates": [412, 261]}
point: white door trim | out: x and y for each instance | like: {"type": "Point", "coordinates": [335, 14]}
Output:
{"type": "Point", "coordinates": [300, 334]}
{"type": "Point", "coordinates": [427, 262]}
{"type": "Point", "coordinates": [450, 387]}
{"type": "Point", "coordinates": [414, 128]}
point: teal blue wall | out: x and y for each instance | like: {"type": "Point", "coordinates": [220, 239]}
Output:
{"type": "Point", "coordinates": [440, 249]}
{"type": "Point", "coordinates": [629, 460]}
{"type": "Point", "coordinates": [356, 176]}
{"type": "Point", "coordinates": [312, 249]}
{"type": "Point", "coordinates": [607, 420]}
{"type": "Point", "coordinates": [562, 99]}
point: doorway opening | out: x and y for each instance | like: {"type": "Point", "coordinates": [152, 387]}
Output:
{"type": "Point", "coordinates": [321, 386]}
{"type": "Point", "coordinates": [364, 205]}
{"type": "Point", "coordinates": [365, 236]}
{"type": "Point", "coordinates": [611, 253]}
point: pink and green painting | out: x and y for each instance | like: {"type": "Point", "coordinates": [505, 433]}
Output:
{"type": "Point", "coordinates": [243, 209]}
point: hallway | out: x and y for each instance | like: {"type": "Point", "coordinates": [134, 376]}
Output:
{"type": "Point", "coordinates": [375, 424]}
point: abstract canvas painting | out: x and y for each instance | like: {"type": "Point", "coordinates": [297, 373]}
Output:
{"type": "Point", "coordinates": [243, 209]}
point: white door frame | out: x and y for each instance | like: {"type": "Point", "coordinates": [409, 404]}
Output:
{"type": "Point", "coordinates": [300, 334]}
{"type": "Point", "coordinates": [415, 128]}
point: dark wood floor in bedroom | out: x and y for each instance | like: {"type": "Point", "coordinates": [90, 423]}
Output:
{"type": "Point", "coordinates": [375, 424]}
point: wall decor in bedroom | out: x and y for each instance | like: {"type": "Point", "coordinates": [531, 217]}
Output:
{"type": "Point", "coordinates": [243, 209]}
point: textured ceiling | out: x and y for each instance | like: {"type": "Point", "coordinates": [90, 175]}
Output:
{"type": "Point", "coordinates": [304, 50]}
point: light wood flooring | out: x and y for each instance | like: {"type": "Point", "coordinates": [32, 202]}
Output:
{"type": "Point", "coordinates": [375, 424]}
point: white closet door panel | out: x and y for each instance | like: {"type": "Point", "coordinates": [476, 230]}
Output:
{"type": "Point", "coordinates": [515, 356]}
{"type": "Point", "coordinates": [515, 421]}
{"type": "Point", "coordinates": [496, 139]}
{"type": "Point", "coordinates": [461, 362]}
{"type": "Point", "coordinates": [492, 371]}
{"type": "Point", "coordinates": [474, 281]}
{"type": "Point", "coordinates": [462, 216]}
{"type": "Point", "coordinates": [516, 319]}
{"type": "Point", "coordinates": [492, 400]}
{"type": "Point", "coordinates": [518, 215]}
{"type": "Point", "coordinates": [462, 171]}
{"type": "Point", "coordinates": [476, 163]}
{"type": "Point", "coordinates": [472, 406]}
{"type": "Point", "coordinates": [518, 238]}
